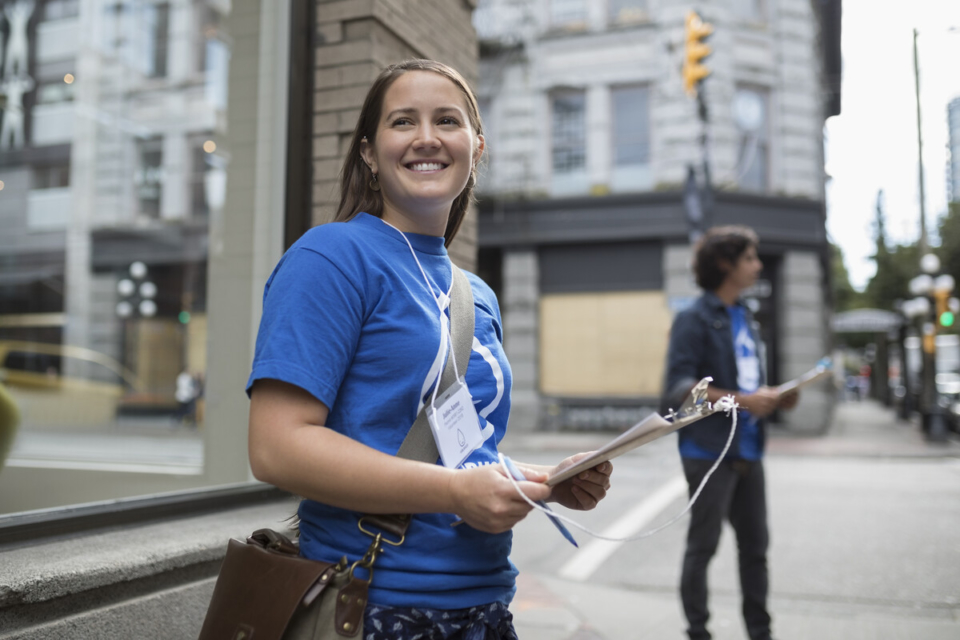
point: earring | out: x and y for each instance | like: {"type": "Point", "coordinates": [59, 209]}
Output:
{"type": "Point", "coordinates": [374, 184]}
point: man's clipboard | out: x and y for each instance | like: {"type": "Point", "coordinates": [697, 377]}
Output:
{"type": "Point", "coordinates": [654, 426]}
{"type": "Point", "coordinates": [823, 369]}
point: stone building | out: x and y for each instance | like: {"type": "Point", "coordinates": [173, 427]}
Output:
{"type": "Point", "coordinates": [583, 228]}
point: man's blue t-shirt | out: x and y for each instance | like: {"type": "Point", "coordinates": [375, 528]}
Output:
{"type": "Point", "coordinates": [348, 317]}
{"type": "Point", "coordinates": [748, 381]}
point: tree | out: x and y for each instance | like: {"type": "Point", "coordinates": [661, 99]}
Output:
{"type": "Point", "coordinates": [891, 282]}
{"type": "Point", "coordinates": [845, 297]}
{"type": "Point", "coordinates": [896, 266]}
{"type": "Point", "coordinates": [949, 251]}
{"type": "Point", "coordinates": [881, 235]}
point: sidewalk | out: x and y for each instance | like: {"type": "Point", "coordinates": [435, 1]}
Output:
{"type": "Point", "coordinates": [551, 608]}
{"type": "Point", "coordinates": [864, 429]}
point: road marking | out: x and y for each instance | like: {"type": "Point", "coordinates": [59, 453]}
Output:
{"type": "Point", "coordinates": [589, 558]}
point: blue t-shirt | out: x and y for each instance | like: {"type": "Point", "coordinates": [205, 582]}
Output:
{"type": "Point", "coordinates": [748, 381]}
{"type": "Point", "coordinates": [348, 317]}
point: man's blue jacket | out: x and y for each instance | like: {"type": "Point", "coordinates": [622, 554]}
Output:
{"type": "Point", "coordinates": [701, 344]}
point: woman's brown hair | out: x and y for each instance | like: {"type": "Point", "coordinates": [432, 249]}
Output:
{"type": "Point", "coordinates": [355, 193]}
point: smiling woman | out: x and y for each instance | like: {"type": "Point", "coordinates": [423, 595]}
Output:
{"type": "Point", "coordinates": [453, 113]}
{"type": "Point", "coordinates": [424, 150]}
{"type": "Point", "coordinates": [353, 343]}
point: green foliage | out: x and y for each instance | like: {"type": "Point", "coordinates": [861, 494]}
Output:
{"type": "Point", "coordinates": [895, 268]}
{"type": "Point", "coordinates": [845, 297]}
{"type": "Point", "coordinates": [949, 251]}
{"type": "Point", "coordinates": [897, 265]}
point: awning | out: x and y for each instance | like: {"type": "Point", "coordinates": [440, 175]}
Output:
{"type": "Point", "coordinates": [865, 321]}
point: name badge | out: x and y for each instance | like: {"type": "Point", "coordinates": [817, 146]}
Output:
{"type": "Point", "coordinates": [455, 425]}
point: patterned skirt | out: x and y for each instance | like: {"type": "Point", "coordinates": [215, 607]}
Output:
{"type": "Point", "coordinates": [487, 622]}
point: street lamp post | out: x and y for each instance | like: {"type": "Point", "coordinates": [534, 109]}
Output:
{"type": "Point", "coordinates": [932, 290]}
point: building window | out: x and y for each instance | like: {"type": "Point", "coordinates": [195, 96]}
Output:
{"type": "Point", "coordinates": [216, 72]}
{"type": "Point", "coordinates": [55, 92]}
{"type": "Point", "coordinates": [631, 125]}
{"type": "Point", "coordinates": [54, 176]}
{"type": "Point", "coordinates": [149, 176]}
{"type": "Point", "coordinates": [60, 9]}
{"type": "Point", "coordinates": [751, 116]}
{"type": "Point", "coordinates": [156, 26]}
{"type": "Point", "coordinates": [207, 176]}
{"type": "Point", "coordinates": [569, 131]}
{"type": "Point", "coordinates": [101, 313]}
{"type": "Point", "coordinates": [568, 13]}
{"type": "Point", "coordinates": [627, 10]}
{"type": "Point", "coordinates": [751, 10]}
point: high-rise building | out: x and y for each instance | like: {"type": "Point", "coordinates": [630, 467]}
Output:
{"type": "Point", "coordinates": [593, 149]}
{"type": "Point", "coordinates": [953, 145]}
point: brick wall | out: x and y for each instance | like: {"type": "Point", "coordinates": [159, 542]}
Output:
{"type": "Point", "coordinates": [357, 38]}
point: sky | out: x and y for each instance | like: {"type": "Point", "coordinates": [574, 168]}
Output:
{"type": "Point", "coordinates": [872, 144]}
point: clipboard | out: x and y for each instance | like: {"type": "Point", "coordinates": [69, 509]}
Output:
{"type": "Point", "coordinates": [823, 369]}
{"type": "Point", "coordinates": [695, 407]}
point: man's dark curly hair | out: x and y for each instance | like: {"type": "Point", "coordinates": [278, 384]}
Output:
{"type": "Point", "coordinates": [717, 253]}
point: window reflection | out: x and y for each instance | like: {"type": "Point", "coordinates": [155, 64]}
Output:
{"type": "Point", "coordinates": [110, 173]}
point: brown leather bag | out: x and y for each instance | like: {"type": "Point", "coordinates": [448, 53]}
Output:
{"type": "Point", "coordinates": [266, 591]}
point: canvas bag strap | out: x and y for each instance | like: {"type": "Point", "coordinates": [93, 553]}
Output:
{"type": "Point", "coordinates": [419, 443]}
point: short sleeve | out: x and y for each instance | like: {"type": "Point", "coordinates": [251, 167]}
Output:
{"type": "Point", "coordinates": [486, 299]}
{"type": "Point", "coordinates": [312, 316]}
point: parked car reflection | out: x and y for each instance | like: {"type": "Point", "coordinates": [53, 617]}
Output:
{"type": "Point", "coordinates": [64, 386]}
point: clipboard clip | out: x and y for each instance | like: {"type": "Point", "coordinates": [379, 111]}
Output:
{"type": "Point", "coordinates": [695, 404]}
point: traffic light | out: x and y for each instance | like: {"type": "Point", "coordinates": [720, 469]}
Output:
{"type": "Point", "coordinates": [946, 308]}
{"type": "Point", "coordinates": [694, 51]}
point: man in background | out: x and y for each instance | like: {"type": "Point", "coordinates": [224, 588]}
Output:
{"type": "Point", "coordinates": [718, 337]}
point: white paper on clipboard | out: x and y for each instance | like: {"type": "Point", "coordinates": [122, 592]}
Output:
{"type": "Point", "coordinates": [650, 428]}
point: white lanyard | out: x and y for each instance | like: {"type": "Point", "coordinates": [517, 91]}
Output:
{"type": "Point", "coordinates": [443, 301]}
{"type": "Point", "coordinates": [726, 403]}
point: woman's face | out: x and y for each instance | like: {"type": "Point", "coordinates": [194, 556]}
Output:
{"type": "Point", "coordinates": [424, 151]}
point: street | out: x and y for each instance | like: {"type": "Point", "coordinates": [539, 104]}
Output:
{"type": "Point", "coordinates": [863, 542]}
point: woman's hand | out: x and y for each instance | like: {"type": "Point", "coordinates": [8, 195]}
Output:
{"type": "Point", "coordinates": [488, 501]}
{"type": "Point", "coordinates": [583, 491]}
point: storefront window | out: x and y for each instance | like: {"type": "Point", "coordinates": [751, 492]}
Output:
{"type": "Point", "coordinates": [112, 167]}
